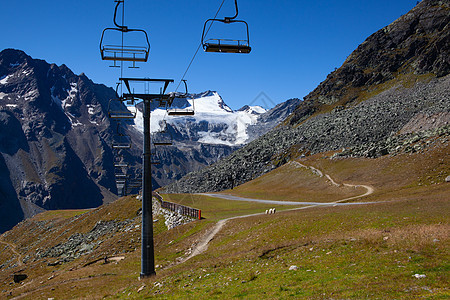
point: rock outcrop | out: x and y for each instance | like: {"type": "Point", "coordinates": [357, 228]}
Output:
{"type": "Point", "coordinates": [54, 139]}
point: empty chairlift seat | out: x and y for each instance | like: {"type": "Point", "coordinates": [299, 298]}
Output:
{"type": "Point", "coordinates": [118, 110]}
{"type": "Point", "coordinates": [110, 49]}
{"type": "Point", "coordinates": [187, 111]}
{"type": "Point", "coordinates": [121, 141]}
{"type": "Point", "coordinates": [221, 45]}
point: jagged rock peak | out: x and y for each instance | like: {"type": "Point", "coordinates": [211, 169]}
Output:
{"type": "Point", "coordinates": [13, 57]}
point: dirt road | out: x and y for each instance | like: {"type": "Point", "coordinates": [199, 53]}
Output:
{"type": "Point", "coordinates": [203, 244]}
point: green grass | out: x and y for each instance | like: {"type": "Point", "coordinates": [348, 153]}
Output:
{"type": "Point", "coordinates": [344, 252]}
{"type": "Point", "coordinates": [360, 252]}
{"type": "Point", "coordinates": [214, 209]}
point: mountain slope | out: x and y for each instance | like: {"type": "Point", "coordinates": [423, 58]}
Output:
{"type": "Point", "coordinates": [401, 231]}
{"type": "Point", "coordinates": [212, 133]}
{"type": "Point", "coordinates": [370, 116]}
{"type": "Point", "coordinates": [415, 44]}
{"type": "Point", "coordinates": [54, 136]}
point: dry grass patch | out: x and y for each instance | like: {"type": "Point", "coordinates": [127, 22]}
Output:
{"type": "Point", "coordinates": [387, 173]}
{"type": "Point", "coordinates": [292, 182]}
{"type": "Point", "coordinates": [214, 209]}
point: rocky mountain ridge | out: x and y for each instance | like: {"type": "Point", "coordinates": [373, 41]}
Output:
{"type": "Point", "coordinates": [55, 138]}
{"type": "Point", "coordinates": [416, 43]}
{"type": "Point", "coordinates": [405, 80]}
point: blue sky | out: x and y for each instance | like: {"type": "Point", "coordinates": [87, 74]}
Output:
{"type": "Point", "coordinates": [295, 44]}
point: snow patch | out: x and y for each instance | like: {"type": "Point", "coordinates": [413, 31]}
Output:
{"type": "Point", "coordinates": [67, 102]}
{"type": "Point", "coordinates": [27, 72]}
{"type": "Point", "coordinates": [31, 95]}
{"type": "Point", "coordinates": [2, 95]}
{"type": "Point", "coordinates": [91, 109]}
{"type": "Point", "coordinates": [56, 99]}
{"type": "Point", "coordinates": [4, 79]}
{"type": "Point", "coordinates": [11, 105]}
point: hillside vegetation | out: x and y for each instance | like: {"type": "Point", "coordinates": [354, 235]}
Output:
{"type": "Point", "coordinates": [355, 251]}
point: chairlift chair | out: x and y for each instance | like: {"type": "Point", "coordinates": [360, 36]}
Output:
{"type": "Point", "coordinates": [189, 111]}
{"type": "Point", "coordinates": [121, 114]}
{"type": "Point", "coordinates": [226, 45]}
{"type": "Point", "coordinates": [120, 174]}
{"type": "Point", "coordinates": [123, 141]}
{"type": "Point", "coordinates": [135, 183]}
{"type": "Point", "coordinates": [121, 177]}
{"type": "Point", "coordinates": [162, 143]}
{"type": "Point", "coordinates": [115, 53]}
{"type": "Point", "coordinates": [121, 187]}
{"type": "Point", "coordinates": [162, 139]}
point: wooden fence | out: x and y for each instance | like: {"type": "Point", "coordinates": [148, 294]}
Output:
{"type": "Point", "coordinates": [181, 209]}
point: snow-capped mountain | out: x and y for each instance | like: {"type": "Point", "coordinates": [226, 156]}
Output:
{"type": "Point", "coordinates": [214, 122]}
{"type": "Point", "coordinates": [212, 133]}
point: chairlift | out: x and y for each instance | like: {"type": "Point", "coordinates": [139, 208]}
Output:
{"type": "Point", "coordinates": [162, 143]}
{"type": "Point", "coordinates": [226, 45]}
{"type": "Point", "coordinates": [122, 141]}
{"type": "Point", "coordinates": [120, 176]}
{"type": "Point", "coordinates": [121, 52]}
{"type": "Point", "coordinates": [189, 111]}
{"type": "Point", "coordinates": [129, 113]}
{"type": "Point", "coordinates": [118, 161]}
{"type": "Point", "coordinates": [121, 186]}
{"type": "Point", "coordinates": [162, 138]}
{"type": "Point", "coordinates": [135, 184]}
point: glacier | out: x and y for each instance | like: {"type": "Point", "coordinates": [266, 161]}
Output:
{"type": "Point", "coordinates": [222, 125]}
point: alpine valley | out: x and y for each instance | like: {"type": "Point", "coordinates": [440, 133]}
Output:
{"type": "Point", "coordinates": [341, 195]}
{"type": "Point", "coordinates": [55, 137]}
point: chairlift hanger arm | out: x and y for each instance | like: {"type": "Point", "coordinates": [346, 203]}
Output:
{"type": "Point", "coordinates": [185, 85]}
{"type": "Point", "coordinates": [120, 27]}
{"type": "Point", "coordinates": [229, 19]}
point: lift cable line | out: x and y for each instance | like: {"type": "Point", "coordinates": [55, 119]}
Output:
{"type": "Point", "coordinates": [198, 48]}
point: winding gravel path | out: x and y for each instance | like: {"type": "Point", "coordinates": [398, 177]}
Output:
{"type": "Point", "coordinates": [203, 244]}
{"type": "Point", "coordinates": [13, 250]}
